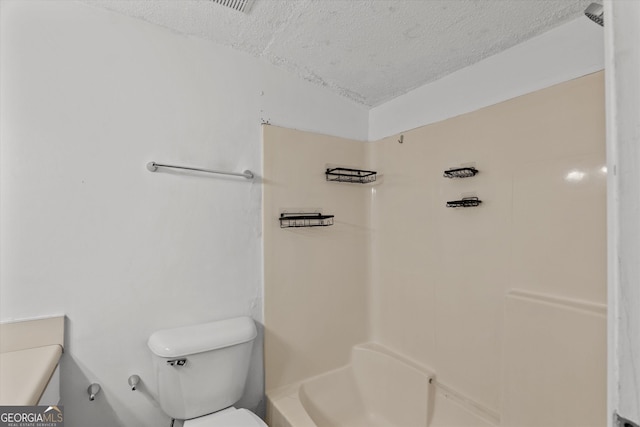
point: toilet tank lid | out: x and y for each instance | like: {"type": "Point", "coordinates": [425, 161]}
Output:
{"type": "Point", "coordinates": [203, 337]}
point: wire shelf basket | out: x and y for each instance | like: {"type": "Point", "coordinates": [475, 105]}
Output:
{"type": "Point", "coordinates": [460, 173]}
{"type": "Point", "coordinates": [465, 202]}
{"type": "Point", "coordinates": [350, 175]}
{"type": "Point", "coordinates": [288, 220]}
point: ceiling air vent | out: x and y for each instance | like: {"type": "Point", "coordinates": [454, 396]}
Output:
{"type": "Point", "coordinates": [239, 5]}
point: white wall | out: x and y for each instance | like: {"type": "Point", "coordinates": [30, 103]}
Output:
{"type": "Point", "coordinates": [623, 156]}
{"type": "Point", "coordinates": [572, 50]}
{"type": "Point", "coordinates": [88, 98]}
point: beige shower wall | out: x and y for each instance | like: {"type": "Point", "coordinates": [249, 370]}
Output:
{"type": "Point", "coordinates": [506, 302]}
{"type": "Point", "coordinates": [316, 286]}
{"type": "Point", "coordinates": [442, 277]}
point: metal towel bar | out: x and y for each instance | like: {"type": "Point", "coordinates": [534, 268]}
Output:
{"type": "Point", "coordinates": [153, 166]}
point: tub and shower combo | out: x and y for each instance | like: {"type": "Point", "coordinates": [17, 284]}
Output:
{"type": "Point", "coordinates": [491, 314]}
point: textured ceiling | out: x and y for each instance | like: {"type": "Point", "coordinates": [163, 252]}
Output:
{"type": "Point", "coordinates": [367, 50]}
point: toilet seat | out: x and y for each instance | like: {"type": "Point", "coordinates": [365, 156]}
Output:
{"type": "Point", "coordinates": [230, 417]}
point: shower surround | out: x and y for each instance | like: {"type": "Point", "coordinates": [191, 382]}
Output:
{"type": "Point", "coordinates": [504, 303]}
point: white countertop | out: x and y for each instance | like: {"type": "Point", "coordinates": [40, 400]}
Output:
{"type": "Point", "coordinates": [29, 354]}
{"type": "Point", "coordinates": [26, 373]}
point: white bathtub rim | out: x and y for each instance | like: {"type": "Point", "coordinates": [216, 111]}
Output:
{"type": "Point", "coordinates": [291, 391]}
{"type": "Point", "coordinates": [288, 401]}
{"type": "Point", "coordinates": [287, 389]}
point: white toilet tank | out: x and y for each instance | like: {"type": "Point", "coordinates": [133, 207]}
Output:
{"type": "Point", "coordinates": [202, 368]}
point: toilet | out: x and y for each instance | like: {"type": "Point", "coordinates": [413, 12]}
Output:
{"type": "Point", "coordinates": [201, 371]}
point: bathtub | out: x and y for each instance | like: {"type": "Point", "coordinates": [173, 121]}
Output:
{"type": "Point", "coordinates": [378, 388]}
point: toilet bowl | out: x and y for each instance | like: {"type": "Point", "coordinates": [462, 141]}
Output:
{"type": "Point", "coordinates": [230, 417]}
{"type": "Point", "coordinates": [201, 371]}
